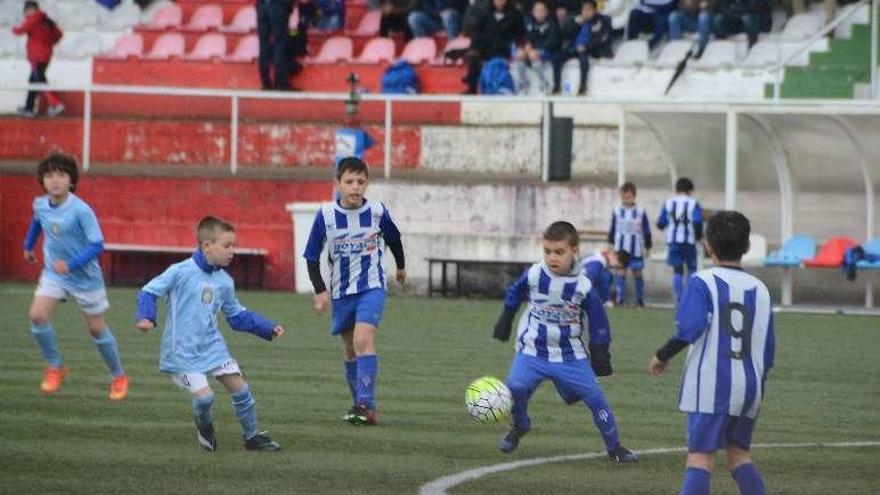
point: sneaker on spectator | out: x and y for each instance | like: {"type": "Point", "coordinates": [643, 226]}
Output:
{"type": "Point", "coordinates": [25, 112]}
{"type": "Point", "coordinates": [55, 110]}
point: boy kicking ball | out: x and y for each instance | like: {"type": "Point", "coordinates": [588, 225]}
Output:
{"type": "Point", "coordinates": [192, 345]}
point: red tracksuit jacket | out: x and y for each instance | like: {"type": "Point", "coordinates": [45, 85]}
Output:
{"type": "Point", "coordinates": [41, 37]}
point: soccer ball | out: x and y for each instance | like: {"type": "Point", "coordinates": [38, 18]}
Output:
{"type": "Point", "coordinates": [488, 400]}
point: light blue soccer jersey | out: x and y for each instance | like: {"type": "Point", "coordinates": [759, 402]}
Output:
{"type": "Point", "coordinates": [725, 314]}
{"type": "Point", "coordinates": [560, 306]}
{"type": "Point", "coordinates": [684, 218]}
{"type": "Point", "coordinates": [355, 243]}
{"type": "Point", "coordinates": [70, 229]}
{"type": "Point", "coordinates": [191, 341]}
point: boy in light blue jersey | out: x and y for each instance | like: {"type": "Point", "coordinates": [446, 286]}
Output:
{"type": "Point", "coordinates": [71, 248]}
{"type": "Point", "coordinates": [630, 232]}
{"type": "Point", "coordinates": [192, 345]}
{"type": "Point", "coordinates": [725, 317]}
{"type": "Point", "coordinates": [549, 346]}
{"type": "Point", "coordinates": [355, 231]}
{"type": "Point", "coordinates": [683, 216]}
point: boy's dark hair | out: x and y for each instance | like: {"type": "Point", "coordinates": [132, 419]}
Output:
{"type": "Point", "coordinates": [562, 231]}
{"type": "Point", "coordinates": [351, 164]}
{"type": "Point", "coordinates": [727, 233]}
{"type": "Point", "coordinates": [209, 227]}
{"type": "Point", "coordinates": [30, 4]}
{"type": "Point", "coordinates": [546, 3]}
{"type": "Point", "coordinates": [59, 162]}
{"type": "Point", "coordinates": [627, 186]}
{"type": "Point", "coordinates": [591, 2]}
{"type": "Point", "coordinates": [623, 258]}
{"type": "Point", "coordinates": [684, 185]}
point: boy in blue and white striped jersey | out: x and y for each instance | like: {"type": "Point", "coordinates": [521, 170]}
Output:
{"type": "Point", "coordinates": [683, 216]}
{"type": "Point", "coordinates": [630, 232]}
{"type": "Point", "coordinates": [562, 302]}
{"type": "Point", "coordinates": [355, 231]}
{"type": "Point", "coordinates": [192, 345]}
{"type": "Point", "coordinates": [725, 317]}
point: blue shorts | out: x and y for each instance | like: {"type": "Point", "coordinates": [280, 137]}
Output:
{"type": "Point", "coordinates": [365, 307]}
{"type": "Point", "coordinates": [635, 264]}
{"type": "Point", "coordinates": [711, 432]}
{"type": "Point", "coordinates": [574, 380]}
{"type": "Point", "coordinates": [682, 254]}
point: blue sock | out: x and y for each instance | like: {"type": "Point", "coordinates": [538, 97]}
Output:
{"type": "Point", "coordinates": [351, 376]}
{"type": "Point", "coordinates": [520, 409]}
{"type": "Point", "coordinates": [202, 409]}
{"type": "Point", "coordinates": [677, 285]}
{"type": "Point", "coordinates": [621, 288]}
{"type": "Point", "coordinates": [246, 411]}
{"type": "Point", "coordinates": [603, 418]}
{"type": "Point", "coordinates": [45, 337]}
{"type": "Point", "coordinates": [749, 479]}
{"type": "Point", "coordinates": [367, 369]}
{"type": "Point", "coordinates": [640, 289]}
{"type": "Point", "coordinates": [106, 343]}
{"type": "Point", "coordinates": [696, 482]}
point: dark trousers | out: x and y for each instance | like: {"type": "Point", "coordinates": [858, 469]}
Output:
{"type": "Point", "coordinates": [38, 75]}
{"type": "Point", "coordinates": [474, 60]}
{"type": "Point", "coordinates": [643, 22]}
{"type": "Point", "coordinates": [395, 22]}
{"type": "Point", "coordinates": [752, 24]}
{"type": "Point", "coordinates": [273, 33]}
{"type": "Point", "coordinates": [560, 60]}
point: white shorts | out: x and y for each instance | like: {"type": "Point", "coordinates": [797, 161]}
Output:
{"type": "Point", "coordinates": [92, 303]}
{"type": "Point", "coordinates": [193, 382]}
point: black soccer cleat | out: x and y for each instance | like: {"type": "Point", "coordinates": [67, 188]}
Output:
{"type": "Point", "coordinates": [261, 442]}
{"type": "Point", "coordinates": [363, 416]}
{"type": "Point", "coordinates": [511, 441]}
{"type": "Point", "coordinates": [350, 414]}
{"type": "Point", "coordinates": [205, 434]}
{"type": "Point", "coordinates": [622, 455]}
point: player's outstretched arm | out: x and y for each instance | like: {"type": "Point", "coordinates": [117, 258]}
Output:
{"type": "Point", "coordinates": [516, 294]}
{"type": "Point", "coordinates": [145, 312]}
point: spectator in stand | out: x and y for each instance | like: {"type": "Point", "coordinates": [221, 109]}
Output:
{"type": "Point", "coordinates": [542, 45]}
{"type": "Point", "coordinates": [273, 17]}
{"type": "Point", "coordinates": [566, 18]}
{"type": "Point", "coordinates": [494, 29]}
{"type": "Point", "coordinates": [426, 17]}
{"type": "Point", "coordinates": [394, 18]}
{"type": "Point", "coordinates": [692, 16]}
{"type": "Point", "coordinates": [650, 16]}
{"type": "Point", "coordinates": [592, 41]}
{"type": "Point", "coordinates": [737, 16]}
{"type": "Point", "coordinates": [330, 15]}
{"type": "Point", "coordinates": [42, 34]}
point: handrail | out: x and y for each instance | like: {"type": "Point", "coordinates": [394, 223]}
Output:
{"type": "Point", "coordinates": [810, 41]}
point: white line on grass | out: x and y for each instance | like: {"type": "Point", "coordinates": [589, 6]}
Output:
{"type": "Point", "coordinates": [440, 485]}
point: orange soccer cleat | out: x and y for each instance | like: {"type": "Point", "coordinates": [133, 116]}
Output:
{"type": "Point", "coordinates": [119, 387]}
{"type": "Point", "coordinates": [52, 378]}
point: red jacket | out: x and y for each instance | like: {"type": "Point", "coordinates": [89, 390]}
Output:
{"type": "Point", "coordinates": [41, 36]}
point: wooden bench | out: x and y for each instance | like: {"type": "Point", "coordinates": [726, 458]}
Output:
{"type": "Point", "coordinates": [136, 264]}
{"type": "Point", "coordinates": [445, 284]}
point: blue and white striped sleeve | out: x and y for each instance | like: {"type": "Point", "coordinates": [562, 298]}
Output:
{"type": "Point", "coordinates": [316, 239]}
{"type": "Point", "coordinates": [694, 311]}
{"type": "Point", "coordinates": [597, 319]}
{"type": "Point", "coordinates": [518, 292]}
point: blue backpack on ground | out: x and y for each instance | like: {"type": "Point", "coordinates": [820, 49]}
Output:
{"type": "Point", "coordinates": [400, 78]}
{"type": "Point", "coordinates": [495, 78]}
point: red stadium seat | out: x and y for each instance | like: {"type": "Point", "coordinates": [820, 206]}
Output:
{"type": "Point", "coordinates": [377, 50]}
{"type": "Point", "coordinates": [128, 45]}
{"type": "Point", "coordinates": [369, 25]}
{"type": "Point", "coordinates": [247, 50]}
{"type": "Point", "coordinates": [419, 50]}
{"type": "Point", "coordinates": [335, 49]}
{"type": "Point", "coordinates": [169, 16]}
{"type": "Point", "coordinates": [459, 43]}
{"type": "Point", "coordinates": [831, 253]}
{"type": "Point", "coordinates": [205, 17]}
{"type": "Point", "coordinates": [245, 21]}
{"type": "Point", "coordinates": [211, 45]}
{"type": "Point", "coordinates": [168, 45]}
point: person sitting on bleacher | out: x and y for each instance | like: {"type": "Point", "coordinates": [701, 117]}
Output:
{"type": "Point", "coordinates": [567, 18]}
{"type": "Point", "coordinates": [427, 17]}
{"type": "Point", "coordinates": [331, 15]}
{"type": "Point", "coordinates": [737, 16]}
{"type": "Point", "coordinates": [394, 18]}
{"type": "Point", "coordinates": [650, 16]}
{"type": "Point", "coordinates": [494, 30]}
{"type": "Point", "coordinates": [593, 40]}
{"type": "Point", "coordinates": [692, 16]}
{"type": "Point", "coordinates": [542, 46]}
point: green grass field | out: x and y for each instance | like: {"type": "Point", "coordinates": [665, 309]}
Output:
{"type": "Point", "coordinates": [825, 388]}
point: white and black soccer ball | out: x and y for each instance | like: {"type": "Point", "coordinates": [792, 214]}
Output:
{"type": "Point", "coordinates": [488, 400]}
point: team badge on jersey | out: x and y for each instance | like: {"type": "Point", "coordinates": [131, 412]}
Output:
{"type": "Point", "coordinates": [55, 229]}
{"type": "Point", "coordinates": [207, 295]}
